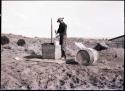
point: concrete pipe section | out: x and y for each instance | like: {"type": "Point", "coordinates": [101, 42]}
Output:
{"type": "Point", "coordinates": [86, 56]}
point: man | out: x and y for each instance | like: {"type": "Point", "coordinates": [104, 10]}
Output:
{"type": "Point", "coordinates": [63, 35]}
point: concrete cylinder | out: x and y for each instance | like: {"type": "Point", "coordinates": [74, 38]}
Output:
{"type": "Point", "coordinates": [86, 56]}
{"type": "Point", "coordinates": [57, 50]}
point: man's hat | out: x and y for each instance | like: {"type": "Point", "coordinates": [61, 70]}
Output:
{"type": "Point", "coordinates": [60, 19]}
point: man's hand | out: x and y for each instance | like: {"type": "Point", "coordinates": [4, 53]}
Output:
{"type": "Point", "coordinates": [57, 36]}
{"type": "Point", "coordinates": [55, 32]}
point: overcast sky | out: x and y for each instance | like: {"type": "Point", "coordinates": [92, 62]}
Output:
{"type": "Point", "coordinates": [87, 19]}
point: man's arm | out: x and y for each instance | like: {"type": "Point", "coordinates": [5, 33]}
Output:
{"type": "Point", "coordinates": [58, 31]}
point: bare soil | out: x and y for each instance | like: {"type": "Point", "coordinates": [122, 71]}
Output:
{"type": "Point", "coordinates": [24, 68]}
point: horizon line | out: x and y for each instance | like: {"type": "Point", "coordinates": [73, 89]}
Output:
{"type": "Point", "coordinates": [67, 37]}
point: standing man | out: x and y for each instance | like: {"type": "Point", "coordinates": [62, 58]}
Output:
{"type": "Point", "coordinates": [63, 35]}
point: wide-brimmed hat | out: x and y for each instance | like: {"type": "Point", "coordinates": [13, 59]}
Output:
{"type": "Point", "coordinates": [60, 19]}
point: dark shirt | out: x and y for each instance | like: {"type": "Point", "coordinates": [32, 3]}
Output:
{"type": "Point", "coordinates": [62, 29]}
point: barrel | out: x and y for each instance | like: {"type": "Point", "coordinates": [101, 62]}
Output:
{"type": "Point", "coordinates": [86, 56]}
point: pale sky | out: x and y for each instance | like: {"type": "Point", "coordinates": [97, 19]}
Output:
{"type": "Point", "coordinates": [87, 19]}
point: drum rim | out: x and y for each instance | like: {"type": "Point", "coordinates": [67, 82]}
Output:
{"type": "Point", "coordinates": [91, 57]}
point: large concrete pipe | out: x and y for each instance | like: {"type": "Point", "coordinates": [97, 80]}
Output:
{"type": "Point", "coordinates": [86, 56]}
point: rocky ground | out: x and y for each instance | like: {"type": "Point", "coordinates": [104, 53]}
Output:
{"type": "Point", "coordinates": [24, 68]}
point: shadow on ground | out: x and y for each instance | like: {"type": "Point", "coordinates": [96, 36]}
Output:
{"type": "Point", "coordinates": [33, 56]}
{"type": "Point", "coordinates": [71, 61]}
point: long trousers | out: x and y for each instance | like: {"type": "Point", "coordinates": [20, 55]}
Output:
{"type": "Point", "coordinates": [63, 44]}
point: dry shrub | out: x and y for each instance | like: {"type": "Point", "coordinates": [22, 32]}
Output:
{"type": "Point", "coordinates": [21, 42]}
{"type": "Point", "coordinates": [4, 40]}
{"type": "Point", "coordinates": [100, 47]}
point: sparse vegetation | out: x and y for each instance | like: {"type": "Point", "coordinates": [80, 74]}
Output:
{"type": "Point", "coordinates": [21, 42]}
{"type": "Point", "coordinates": [32, 72]}
{"type": "Point", "coordinates": [4, 40]}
